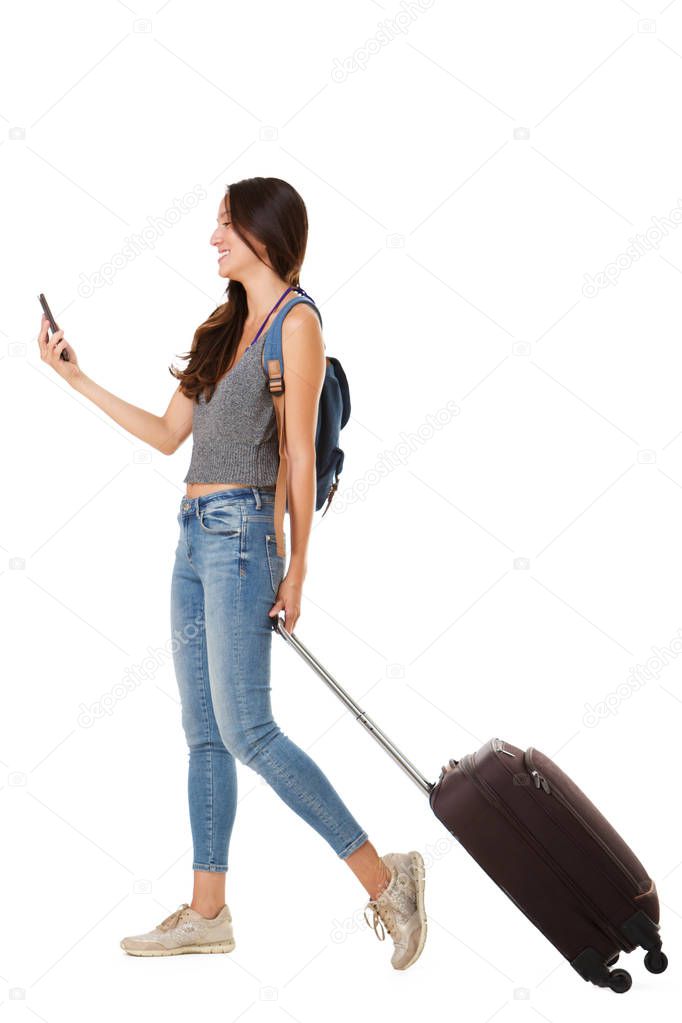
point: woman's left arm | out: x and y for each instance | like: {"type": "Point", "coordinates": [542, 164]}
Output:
{"type": "Point", "coordinates": [304, 371]}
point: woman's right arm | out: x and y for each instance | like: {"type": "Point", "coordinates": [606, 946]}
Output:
{"type": "Point", "coordinates": [165, 433]}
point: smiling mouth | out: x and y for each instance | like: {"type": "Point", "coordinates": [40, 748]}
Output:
{"type": "Point", "coordinates": [222, 255]}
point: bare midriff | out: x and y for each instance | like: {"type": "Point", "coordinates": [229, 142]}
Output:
{"type": "Point", "coordinates": [199, 489]}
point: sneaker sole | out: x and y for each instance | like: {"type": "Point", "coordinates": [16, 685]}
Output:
{"type": "Point", "coordinates": [218, 946]}
{"type": "Point", "coordinates": [419, 874]}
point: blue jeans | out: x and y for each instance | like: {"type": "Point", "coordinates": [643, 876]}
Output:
{"type": "Point", "coordinates": [225, 580]}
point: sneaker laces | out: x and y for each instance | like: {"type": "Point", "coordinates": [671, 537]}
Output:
{"type": "Point", "coordinates": [174, 918]}
{"type": "Point", "coordinates": [380, 918]}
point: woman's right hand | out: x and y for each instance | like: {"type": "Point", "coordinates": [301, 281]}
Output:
{"type": "Point", "coordinates": [50, 348]}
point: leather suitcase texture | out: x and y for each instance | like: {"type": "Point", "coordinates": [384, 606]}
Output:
{"type": "Point", "coordinates": [549, 848]}
{"type": "Point", "coordinates": [543, 843]}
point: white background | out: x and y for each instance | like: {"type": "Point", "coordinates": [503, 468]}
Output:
{"type": "Point", "coordinates": [467, 169]}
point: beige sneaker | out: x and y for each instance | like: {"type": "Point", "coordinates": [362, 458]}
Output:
{"type": "Point", "coordinates": [185, 930]}
{"type": "Point", "coordinates": [400, 907]}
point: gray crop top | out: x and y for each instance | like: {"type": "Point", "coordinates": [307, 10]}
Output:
{"type": "Point", "coordinates": [234, 435]}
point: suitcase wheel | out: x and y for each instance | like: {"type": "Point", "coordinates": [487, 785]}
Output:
{"type": "Point", "coordinates": [620, 980]}
{"type": "Point", "coordinates": [655, 960]}
{"type": "Point", "coordinates": [591, 967]}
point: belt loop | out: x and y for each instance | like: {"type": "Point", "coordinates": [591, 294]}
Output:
{"type": "Point", "coordinates": [256, 494]}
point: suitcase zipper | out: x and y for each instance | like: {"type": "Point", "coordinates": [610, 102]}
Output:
{"type": "Point", "coordinates": [498, 746]}
{"type": "Point", "coordinates": [594, 914]}
{"type": "Point", "coordinates": [540, 780]}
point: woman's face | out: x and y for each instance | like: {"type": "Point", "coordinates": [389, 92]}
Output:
{"type": "Point", "coordinates": [227, 241]}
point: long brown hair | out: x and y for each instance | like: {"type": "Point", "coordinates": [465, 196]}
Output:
{"type": "Point", "coordinates": [273, 212]}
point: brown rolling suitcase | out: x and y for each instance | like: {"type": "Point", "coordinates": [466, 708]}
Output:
{"type": "Point", "coordinates": [542, 841]}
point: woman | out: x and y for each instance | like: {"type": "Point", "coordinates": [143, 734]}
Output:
{"type": "Point", "coordinates": [228, 578]}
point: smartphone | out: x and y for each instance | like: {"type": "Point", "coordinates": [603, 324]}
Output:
{"type": "Point", "coordinates": [53, 323]}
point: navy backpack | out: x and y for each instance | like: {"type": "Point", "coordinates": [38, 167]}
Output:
{"type": "Point", "coordinates": [333, 414]}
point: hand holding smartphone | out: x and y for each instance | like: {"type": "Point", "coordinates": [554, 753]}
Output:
{"type": "Point", "coordinates": [53, 324]}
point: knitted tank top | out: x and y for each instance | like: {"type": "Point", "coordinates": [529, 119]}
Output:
{"type": "Point", "coordinates": [234, 435]}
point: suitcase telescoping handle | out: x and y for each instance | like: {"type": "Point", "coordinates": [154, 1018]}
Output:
{"type": "Point", "coordinates": [373, 729]}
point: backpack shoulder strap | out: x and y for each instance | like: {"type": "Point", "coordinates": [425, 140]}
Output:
{"type": "Point", "coordinates": [272, 349]}
{"type": "Point", "coordinates": [273, 368]}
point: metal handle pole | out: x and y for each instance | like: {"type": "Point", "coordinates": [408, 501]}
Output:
{"type": "Point", "coordinates": [374, 730]}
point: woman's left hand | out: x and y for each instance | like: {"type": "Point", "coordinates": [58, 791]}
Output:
{"type": "Point", "coordinates": [289, 601]}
